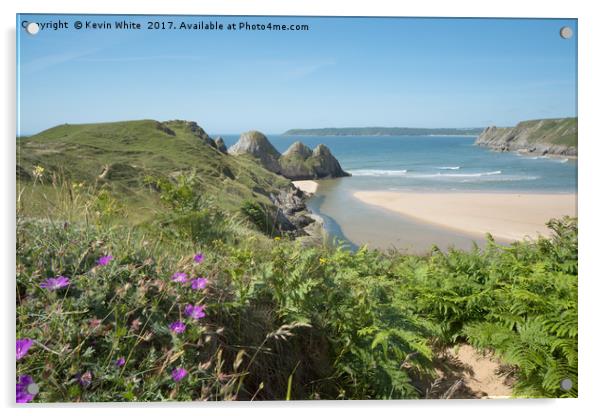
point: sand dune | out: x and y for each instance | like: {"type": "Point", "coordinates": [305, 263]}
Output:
{"type": "Point", "coordinates": [507, 216]}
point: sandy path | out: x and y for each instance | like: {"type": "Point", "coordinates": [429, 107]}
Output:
{"type": "Point", "coordinates": [464, 373]}
{"type": "Point", "coordinates": [506, 216]}
{"type": "Point", "coordinates": [483, 375]}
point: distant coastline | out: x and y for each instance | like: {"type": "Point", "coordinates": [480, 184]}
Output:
{"type": "Point", "coordinates": [384, 131]}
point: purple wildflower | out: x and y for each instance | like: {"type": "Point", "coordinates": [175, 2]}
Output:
{"type": "Point", "coordinates": [54, 283]}
{"type": "Point", "coordinates": [85, 379]}
{"type": "Point", "coordinates": [120, 362]}
{"type": "Point", "coordinates": [178, 374]}
{"type": "Point", "coordinates": [199, 257]}
{"type": "Point", "coordinates": [195, 312]}
{"type": "Point", "coordinates": [104, 260]}
{"type": "Point", "coordinates": [179, 277]}
{"type": "Point", "coordinates": [198, 283]}
{"type": "Point", "coordinates": [26, 389]}
{"type": "Point", "coordinates": [23, 346]}
{"type": "Point", "coordinates": [177, 327]}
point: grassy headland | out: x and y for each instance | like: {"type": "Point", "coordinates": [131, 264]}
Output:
{"type": "Point", "coordinates": [555, 136]}
{"type": "Point", "coordinates": [128, 158]}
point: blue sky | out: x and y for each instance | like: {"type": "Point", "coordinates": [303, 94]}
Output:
{"type": "Point", "coordinates": [343, 72]}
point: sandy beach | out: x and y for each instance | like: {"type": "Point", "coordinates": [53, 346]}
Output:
{"type": "Point", "coordinates": [507, 216]}
{"type": "Point", "coordinates": [309, 187]}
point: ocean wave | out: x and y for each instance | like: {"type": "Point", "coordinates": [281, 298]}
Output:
{"type": "Point", "coordinates": [503, 178]}
{"type": "Point", "coordinates": [489, 176]}
{"type": "Point", "coordinates": [493, 176]}
{"type": "Point", "coordinates": [378, 172]}
{"type": "Point", "coordinates": [404, 172]}
{"type": "Point", "coordinates": [552, 159]}
{"type": "Point", "coordinates": [455, 175]}
{"type": "Point", "coordinates": [448, 167]}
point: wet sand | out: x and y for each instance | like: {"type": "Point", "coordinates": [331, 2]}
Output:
{"type": "Point", "coordinates": [508, 216]}
{"type": "Point", "coordinates": [347, 218]}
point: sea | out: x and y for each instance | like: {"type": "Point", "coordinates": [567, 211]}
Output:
{"type": "Point", "coordinates": [420, 164]}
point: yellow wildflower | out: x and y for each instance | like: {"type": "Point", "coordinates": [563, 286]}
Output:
{"type": "Point", "coordinates": [38, 171]}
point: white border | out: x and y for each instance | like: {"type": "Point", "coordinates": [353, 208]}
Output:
{"type": "Point", "coordinates": [590, 149]}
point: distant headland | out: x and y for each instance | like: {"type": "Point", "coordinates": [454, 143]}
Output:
{"type": "Point", "coordinates": [554, 136]}
{"type": "Point", "coordinates": [384, 131]}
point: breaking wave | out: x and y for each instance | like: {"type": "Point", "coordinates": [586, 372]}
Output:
{"type": "Point", "coordinates": [404, 172]}
{"type": "Point", "coordinates": [378, 172]}
{"type": "Point", "coordinates": [490, 176]}
{"type": "Point", "coordinates": [552, 159]}
{"type": "Point", "coordinates": [457, 175]}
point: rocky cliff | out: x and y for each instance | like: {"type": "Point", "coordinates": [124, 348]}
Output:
{"type": "Point", "coordinates": [297, 163]}
{"type": "Point", "coordinates": [539, 137]}
{"type": "Point", "coordinates": [292, 214]}
{"type": "Point", "coordinates": [257, 145]}
{"type": "Point", "coordinates": [221, 145]}
{"type": "Point", "coordinates": [191, 127]}
{"type": "Point", "coordinates": [292, 162]}
{"type": "Point", "coordinates": [324, 164]}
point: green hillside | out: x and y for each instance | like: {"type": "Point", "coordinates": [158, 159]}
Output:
{"type": "Point", "coordinates": [555, 136]}
{"type": "Point", "coordinates": [554, 131]}
{"type": "Point", "coordinates": [123, 157]}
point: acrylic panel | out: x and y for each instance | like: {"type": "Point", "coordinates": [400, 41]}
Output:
{"type": "Point", "coordinates": [295, 208]}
